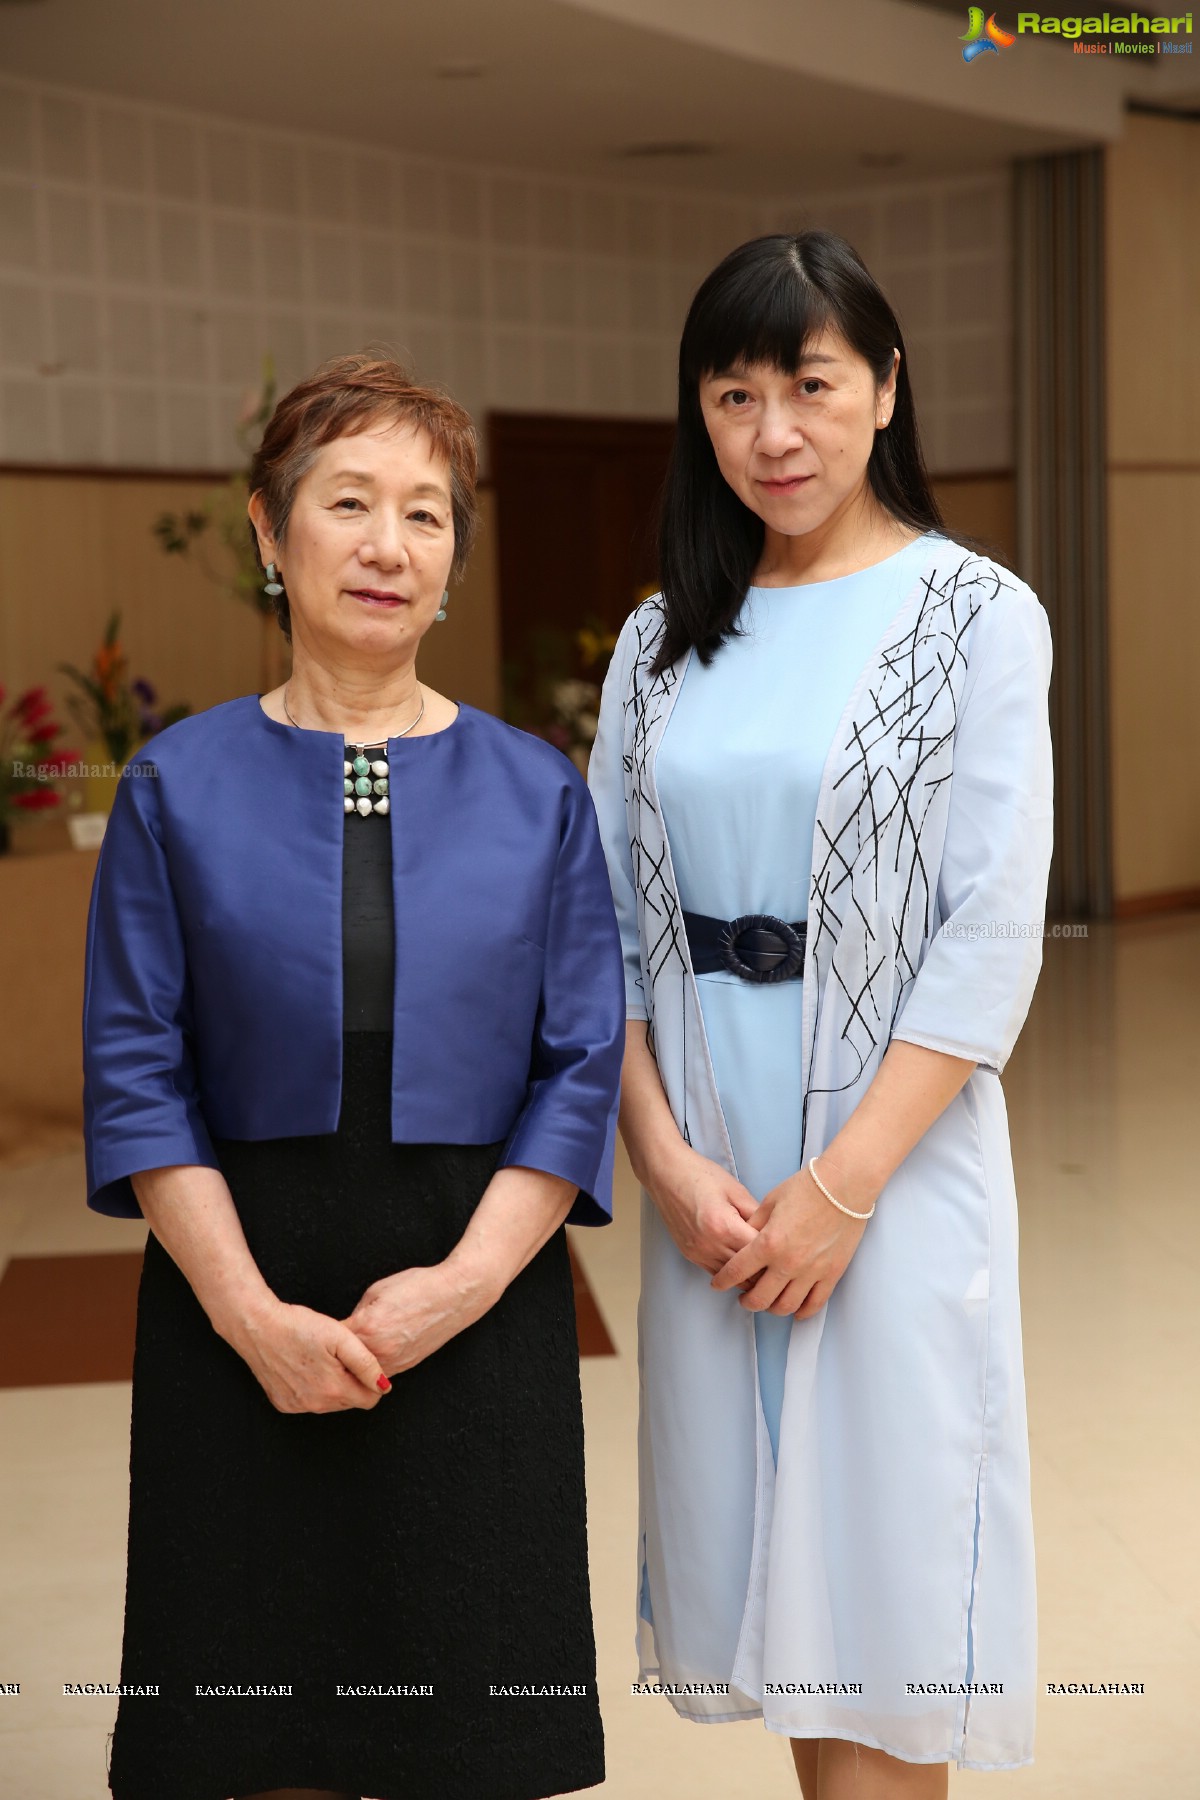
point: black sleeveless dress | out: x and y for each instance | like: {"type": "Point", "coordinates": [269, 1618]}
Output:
{"type": "Point", "coordinates": [391, 1603]}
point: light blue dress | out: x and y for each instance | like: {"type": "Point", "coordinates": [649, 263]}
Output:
{"type": "Point", "coordinates": [874, 1578]}
{"type": "Point", "coordinates": [739, 770]}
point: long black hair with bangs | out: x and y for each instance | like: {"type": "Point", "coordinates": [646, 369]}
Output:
{"type": "Point", "coordinates": [767, 302]}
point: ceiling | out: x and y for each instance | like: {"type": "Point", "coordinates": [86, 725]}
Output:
{"type": "Point", "coordinates": [571, 86]}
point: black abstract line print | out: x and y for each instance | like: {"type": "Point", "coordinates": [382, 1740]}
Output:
{"type": "Point", "coordinates": [873, 888]}
{"type": "Point", "coordinates": [898, 751]}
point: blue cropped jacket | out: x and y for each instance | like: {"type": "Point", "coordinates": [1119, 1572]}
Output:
{"type": "Point", "coordinates": [213, 980]}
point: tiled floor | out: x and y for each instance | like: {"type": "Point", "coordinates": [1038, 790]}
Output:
{"type": "Point", "coordinates": [1102, 1096]}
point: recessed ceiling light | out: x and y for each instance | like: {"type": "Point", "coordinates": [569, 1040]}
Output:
{"type": "Point", "coordinates": [669, 147]}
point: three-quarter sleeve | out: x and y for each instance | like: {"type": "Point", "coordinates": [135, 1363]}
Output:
{"type": "Point", "coordinates": [607, 783]}
{"type": "Point", "coordinates": [141, 1109]}
{"type": "Point", "coordinates": [568, 1123]}
{"type": "Point", "coordinates": [972, 992]}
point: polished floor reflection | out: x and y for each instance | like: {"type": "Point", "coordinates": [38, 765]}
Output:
{"type": "Point", "coordinates": [1102, 1098]}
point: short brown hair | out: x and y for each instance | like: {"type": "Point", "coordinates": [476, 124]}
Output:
{"type": "Point", "coordinates": [351, 393]}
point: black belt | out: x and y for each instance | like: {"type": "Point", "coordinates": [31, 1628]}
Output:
{"type": "Point", "coordinates": [758, 946]}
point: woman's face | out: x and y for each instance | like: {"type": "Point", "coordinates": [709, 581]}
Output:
{"type": "Point", "coordinates": [795, 447]}
{"type": "Point", "coordinates": [367, 552]}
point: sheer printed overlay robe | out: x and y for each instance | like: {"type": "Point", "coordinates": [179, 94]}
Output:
{"type": "Point", "coordinates": [878, 1584]}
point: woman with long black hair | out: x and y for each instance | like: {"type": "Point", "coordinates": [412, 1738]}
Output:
{"type": "Point", "coordinates": [823, 775]}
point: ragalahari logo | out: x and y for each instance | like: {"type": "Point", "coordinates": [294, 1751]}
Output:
{"type": "Point", "coordinates": [979, 36]}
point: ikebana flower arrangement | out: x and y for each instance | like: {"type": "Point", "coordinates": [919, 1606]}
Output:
{"type": "Point", "coordinates": [565, 706]}
{"type": "Point", "coordinates": [222, 518]}
{"type": "Point", "coordinates": [596, 644]}
{"type": "Point", "coordinates": [576, 700]}
{"type": "Point", "coordinates": [576, 713]}
{"type": "Point", "coordinates": [115, 713]}
{"type": "Point", "coordinates": [29, 763]}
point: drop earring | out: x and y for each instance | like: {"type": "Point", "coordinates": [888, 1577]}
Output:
{"type": "Point", "coordinates": [272, 585]}
{"type": "Point", "coordinates": [441, 611]}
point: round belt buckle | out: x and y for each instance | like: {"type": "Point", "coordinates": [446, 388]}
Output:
{"type": "Point", "coordinates": [759, 947]}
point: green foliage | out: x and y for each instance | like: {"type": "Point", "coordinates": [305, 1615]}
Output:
{"type": "Point", "coordinates": [222, 518]}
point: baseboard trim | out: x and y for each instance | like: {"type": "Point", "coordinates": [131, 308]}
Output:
{"type": "Point", "coordinates": [1138, 906]}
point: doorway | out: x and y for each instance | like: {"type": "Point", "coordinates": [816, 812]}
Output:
{"type": "Point", "coordinates": [576, 522]}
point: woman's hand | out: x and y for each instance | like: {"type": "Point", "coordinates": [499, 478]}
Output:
{"type": "Point", "coordinates": [405, 1317]}
{"type": "Point", "coordinates": [704, 1207]}
{"type": "Point", "coordinates": [306, 1362]}
{"type": "Point", "coordinates": [800, 1250]}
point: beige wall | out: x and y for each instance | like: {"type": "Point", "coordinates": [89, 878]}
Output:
{"type": "Point", "coordinates": [1153, 294]}
{"type": "Point", "coordinates": [74, 547]}
{"type": "Point", "coordinates": [43, 928]}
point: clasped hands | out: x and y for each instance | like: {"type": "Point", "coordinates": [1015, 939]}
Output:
{"type": "Point", "coordinates": [307, 1361]}
{"type": "Point", "coordinates": [787, 1253]}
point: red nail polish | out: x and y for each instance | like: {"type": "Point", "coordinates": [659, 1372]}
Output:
{"type": "Point", "coordinates": [384, 1384]}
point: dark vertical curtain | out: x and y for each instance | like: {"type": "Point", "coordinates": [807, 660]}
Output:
{"type": "Point", "coordinates": [1061, 497]}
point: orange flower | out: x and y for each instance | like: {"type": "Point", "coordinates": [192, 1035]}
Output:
{"type": "Point", "coordinates": [109, 665]}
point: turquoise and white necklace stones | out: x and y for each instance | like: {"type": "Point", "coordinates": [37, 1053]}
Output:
{"type": "Point", "coordinates": [365, 783]}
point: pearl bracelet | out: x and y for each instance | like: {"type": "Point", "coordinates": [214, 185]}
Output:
{"type": "Point", "coordinates": [850, 1215]}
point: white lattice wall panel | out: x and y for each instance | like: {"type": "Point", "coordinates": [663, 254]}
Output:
{"type": "Point", "coordinates": [150, 258]}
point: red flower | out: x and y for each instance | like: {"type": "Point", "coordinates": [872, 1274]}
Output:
{"type": "Point", "coordinates": [61, 763]}
{"type": "Point", "coordinates": [36, 801]}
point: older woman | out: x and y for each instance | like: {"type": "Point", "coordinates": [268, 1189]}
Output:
{"type": "Point", "coordinates": [824, 780]}
{"type": "Point", "coordinates": [352, 1043]}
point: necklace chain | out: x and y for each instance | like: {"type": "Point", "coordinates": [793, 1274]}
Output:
{"type": "Point", "coordinates": [365, 783]}
{"type": "Point", "coordinates": [358, 746]}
